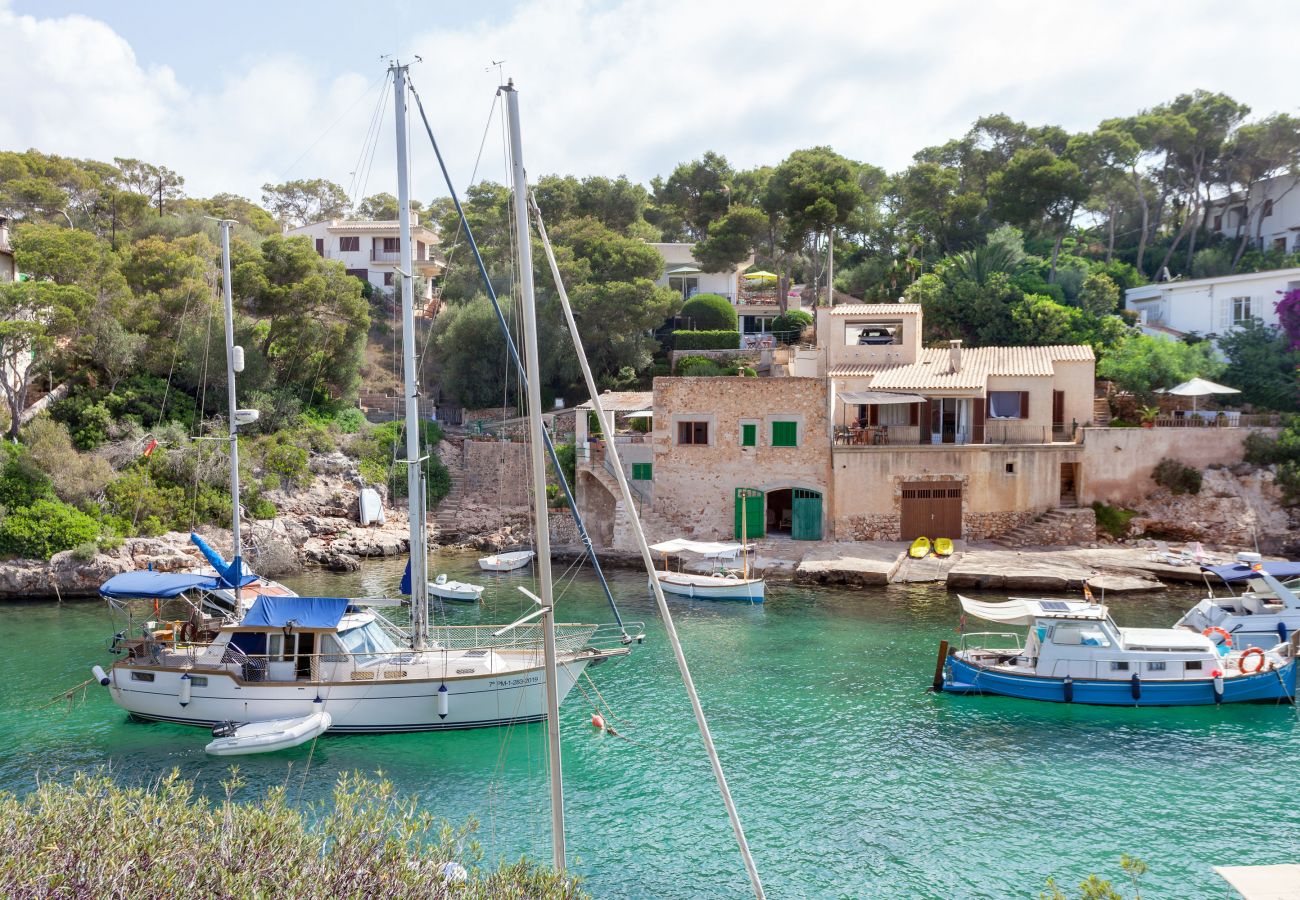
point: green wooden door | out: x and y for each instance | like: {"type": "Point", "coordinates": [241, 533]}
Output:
{"type": "Point", "coordinates": [806, 524]}
{"type": "Point", "coordinates": [751, 502]}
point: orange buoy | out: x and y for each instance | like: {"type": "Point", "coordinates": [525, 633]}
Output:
{"type": "Point", "coordinates": [597, 721]}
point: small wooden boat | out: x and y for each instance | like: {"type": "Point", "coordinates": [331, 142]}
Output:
{"type": "Point", "coordinates": [721, 584]}
{"type": "Point", "coordinates": [943, 547]}
{"type": "Point", "coordinates": [233, 739]}
{"type": "Point", "coordinates": [455, 590]}
{"type": "Point", "coordinates": [506, 562]}
{"type": "Point", "coordinates": [920, 548]}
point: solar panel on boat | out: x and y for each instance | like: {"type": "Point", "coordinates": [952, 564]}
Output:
{"type": "Point", "coordinates": [1054, 605]}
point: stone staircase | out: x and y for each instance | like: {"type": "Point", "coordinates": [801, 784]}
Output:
{"type": "Point", "coordinates": [448, 510]}
{"type": "Point", "coordinates": [1100, 412]}
{"type": "Point", "coordinates": [657, 525]}
{"type": "Point", "coordinates": [1053, 528]}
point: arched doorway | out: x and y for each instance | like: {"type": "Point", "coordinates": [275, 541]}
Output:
{"type": "Point", "coordinates": [780, 511]}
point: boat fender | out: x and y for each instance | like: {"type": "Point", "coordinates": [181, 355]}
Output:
{"type": "Point", "coordinates": [1281, 632]}
{"type": "Point", "coordinates": [100, 675]}
{"type": "Point", "coordinates": [1135, 686]}
{"type": "Point", "coordinates": [1241, 661]}
{"type": "Point", "coordinates": [1068, 687]}
{"type": "Point", "coordinates": [443, 701]}
{"type": "Point", "coordinates": [185, 689]}
{"type": "Point", "coordinates": [598, 721]}
{"type": "Point", "coordinates": [1217, 675]}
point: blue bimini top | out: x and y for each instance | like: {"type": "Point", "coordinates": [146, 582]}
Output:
{"type": "Point", "coordinates": [323, 613]}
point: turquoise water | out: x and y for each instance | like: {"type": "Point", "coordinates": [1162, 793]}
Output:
{"type": "Point", "coordinates": [852, 779]}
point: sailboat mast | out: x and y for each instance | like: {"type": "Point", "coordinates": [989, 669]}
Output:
{"type": "Point", "coordinates": [237, 565]}
{"type": "Point", "coordinates": [405, 268]}
{"type": "Point", "coordinates": [536, 442]}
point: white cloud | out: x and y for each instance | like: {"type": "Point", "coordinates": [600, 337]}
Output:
{"type": "Point", "coordinates": [634, 86]}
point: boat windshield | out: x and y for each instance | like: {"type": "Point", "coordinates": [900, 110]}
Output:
{"type": "Point", "coordinates": [367, 643]}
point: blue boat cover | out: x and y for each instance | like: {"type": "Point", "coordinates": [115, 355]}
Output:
{"type": "Point", "coordinates": [227, 571]}
{"type": "Point", "coordinates": [160, 584]}
{"type": "Point", "coordinates": [304, 612]}
{"type": "Point", "coordinates": [405, 588]}
{"type": "Point", "coordinates": [1241, 571]}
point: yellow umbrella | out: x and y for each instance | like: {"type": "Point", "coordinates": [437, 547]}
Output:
{"type": "Point", "coordinates": [760, 276]}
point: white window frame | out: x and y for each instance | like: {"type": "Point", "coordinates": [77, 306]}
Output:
{"type": "Point", "coordinates": [1240, 310]}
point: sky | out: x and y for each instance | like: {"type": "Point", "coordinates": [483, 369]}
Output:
{"type": "Point", "coordinates": [236, 94]}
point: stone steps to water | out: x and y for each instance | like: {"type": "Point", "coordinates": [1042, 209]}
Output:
{"type": "Point", "coordinates": [1100, 412]}
{"type": "Point", "coordinates": [1055, 527]}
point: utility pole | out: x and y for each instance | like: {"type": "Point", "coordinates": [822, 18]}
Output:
{"type": "Point", "coordinates": [160, 195]}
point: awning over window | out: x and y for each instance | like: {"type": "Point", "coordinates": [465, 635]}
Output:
{"type": "Point", "coordinates": [879, 398]}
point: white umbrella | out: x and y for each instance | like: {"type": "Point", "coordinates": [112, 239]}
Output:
{"type": "Point", "coordinates": [1199, 387]}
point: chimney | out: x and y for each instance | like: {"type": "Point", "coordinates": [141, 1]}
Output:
{"type": "Point", "coordinates": [4, 233]}
{"type": "Point", "coordinates": [954, 355]}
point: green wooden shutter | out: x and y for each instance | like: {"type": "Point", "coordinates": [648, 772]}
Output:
{"type": "Point", "coordinates": [785, 434]}
{"type": "Point", "coordinates": [642, 471]}
{"type": "Point", "coordinates": [748, 435]}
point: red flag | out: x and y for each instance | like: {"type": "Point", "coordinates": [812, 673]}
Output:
{"type": "Point", "coordinates": [150, 448]}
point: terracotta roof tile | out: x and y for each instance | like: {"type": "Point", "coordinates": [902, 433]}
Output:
{"type": "Point", "coordinates": [933, 370]}
{"type": "Point", "coordinates": [876, 309]}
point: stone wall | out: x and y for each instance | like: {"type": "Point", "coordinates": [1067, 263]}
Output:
{"type": "Point", "coordinates": [1117, 462]}
{"type": "Point", "coordinates": [496, 473]}
{"type": "Point", "coordinates": [983, 526]}
{"type": "Point", "coordinates": [697, 483]}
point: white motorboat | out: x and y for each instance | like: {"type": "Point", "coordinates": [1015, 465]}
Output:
{"type": "Point", "coordinates": [506, 562]}
{"type": "Point", "coordinates": [455, 590]}
{"type": "Point", "coordinates": [720, 584]}
{"type": "Point", "coordinates": [233, 739]}
{"type": "Point", "coordinates": [1074, 652]}
{"type": "Point", "coordinates": [1266, 613]}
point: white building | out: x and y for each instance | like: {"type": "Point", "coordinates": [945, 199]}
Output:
{"type": "Point", "coordinates": [1274, 212]}
{"type": "Point", "coordinates": [8, 270]}
{"type": "Point", "coordinates": [1208, 306]}
{"type": "Point", "coordinates": [370, 250]}
{"type": "Point", "coordinates": [756, 305]}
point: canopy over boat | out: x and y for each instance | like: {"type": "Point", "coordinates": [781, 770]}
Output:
{"type": "Point", "coordinates": [1242, 571]}
{"type": "Point", "coordinates": [162, 585]}
{"type": "Point", "coordinates": [1023, 611]}
{"type": "Point", "coordinates": [703, 548]}
{"type": "Point", "coordinates": [322, 613]}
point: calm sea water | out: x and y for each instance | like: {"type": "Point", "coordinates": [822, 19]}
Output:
{"type": "Point", "coordinates": [852, 779]}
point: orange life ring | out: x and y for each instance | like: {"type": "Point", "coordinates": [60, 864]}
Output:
{"type": "Point", "coordinates": [1227, 638]}
{"type": "Point", "coordinates": [1241, 662]}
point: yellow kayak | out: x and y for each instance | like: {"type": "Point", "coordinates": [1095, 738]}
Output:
{"type": "Point", "coordinates": [942, 547]}
{"type": "Point", "coordinates": [920, 548]}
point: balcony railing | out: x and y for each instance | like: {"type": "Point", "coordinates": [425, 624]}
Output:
{"type": "Point", "coordinates": [994, 434]}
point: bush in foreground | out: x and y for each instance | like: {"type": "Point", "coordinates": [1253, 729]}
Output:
{"type": "Point", "coordinates": [94, 838]}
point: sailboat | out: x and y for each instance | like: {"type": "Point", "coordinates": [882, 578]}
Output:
{"type": "Point", "coordinates": [293, 658]}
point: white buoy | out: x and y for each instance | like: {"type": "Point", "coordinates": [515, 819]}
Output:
{"type": "Point", "coordinates": [185, 689]}
{"type": "Point", "coordinates": [101, 676]}
{"type": "Point", "coordinates": [443, 702]}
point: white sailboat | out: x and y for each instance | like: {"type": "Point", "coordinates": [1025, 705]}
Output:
{"type": "Point", "coordinates": [297, 657]}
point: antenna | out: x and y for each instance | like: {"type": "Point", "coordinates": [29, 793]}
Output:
{"type": "Point", "coordinates": [496, 64]}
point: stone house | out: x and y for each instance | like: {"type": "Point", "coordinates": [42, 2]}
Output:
{"type": "Point", "coordinates": [870, 437]}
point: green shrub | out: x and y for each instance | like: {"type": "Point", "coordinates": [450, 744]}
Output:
{"type": "Point", "coordinates": [788, 326]}
{"type": "Point", "coordinates": [568, 457]}
{"type": "Point", "coordinates": [366, 840]}
{"type": "Point", "coordinates": [350, 420]}
{"type": "Point", "coordinates": [45, 528]}
{"type": "Point", "coordinates": [1261, 450]}
{"type": "Point", "coordinates": [261, 508]}
{"type": "Point", "coordinates": [85, 552]}
{"type": "Point", "coordinates": [22, 482]}
{"type": "Point", "coordinates": [706, 340]}
{"type": "Point", "coordinates": [95, 415]}
{"type": "Point", "coordinates": [697, 367]}
{"type": "Point", "coordinates": [144, 496]}
{"type": "Point", "coordinates": [707, 312]}
{"type": "Point", "coordinates": [1113, 520]}
{"type": "Point", "coordinates": [1180, 479]}
{"type": "Point", "coordinates": [283, 457]}
{"type": "Point", "coordinates": [382, 456]}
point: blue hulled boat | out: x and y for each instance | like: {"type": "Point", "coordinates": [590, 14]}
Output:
{"type": "Point", "coordinates": [1074, 652]}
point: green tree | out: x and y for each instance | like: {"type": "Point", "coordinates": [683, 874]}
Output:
{"type": "Point", "coordinates": [1141, 363]}
{"type": "Point", "coordinates": [36, 318]}
{"type": "Point", "coordinates": [1262, 363]}
{"type": "Point", "coordinates": [696, 195]}
{"type": "Point", "coordinates": [305, 200]}
{"type": "Point", "coordinates": [1100, 295]}
{"type": "Point", "coordinates": [383, 206]}
{"type": "Point", "coordinates": [732, 239]}
{"type": "Point", "coordinates": [157, 183]}
{"type": "Point", "coordinates": [1039, 189]}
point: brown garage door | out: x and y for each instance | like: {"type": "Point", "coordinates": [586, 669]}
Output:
{"type": "Point", "coordinates": [931, 509]}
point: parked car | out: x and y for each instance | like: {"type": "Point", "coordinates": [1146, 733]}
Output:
{"type": "Point", "coordinates": [876, 334]}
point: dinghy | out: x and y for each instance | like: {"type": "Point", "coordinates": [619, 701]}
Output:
{"type": "Point", "coordinates": [920, 548]}
{"type": "Point", "coordinates": [370, 510]}
{"type": "Point", "coordinates": [267, 737]}
{"type": "Point", "coordinates": [506, 562]}
{"type": "Point", "coordinates": [455, 590]}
